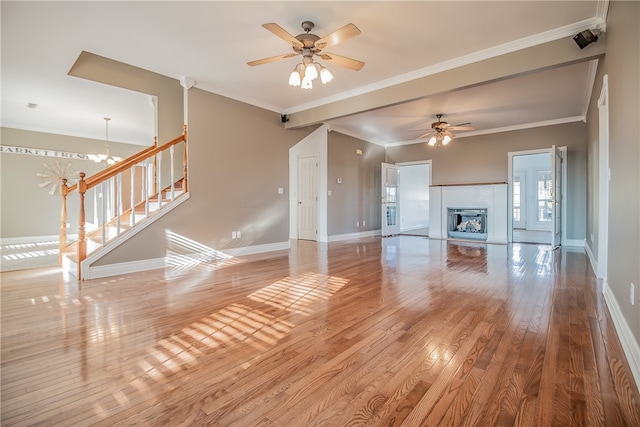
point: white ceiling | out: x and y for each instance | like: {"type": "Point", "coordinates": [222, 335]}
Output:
{"type": "Point", "coordinates": [211, 42]}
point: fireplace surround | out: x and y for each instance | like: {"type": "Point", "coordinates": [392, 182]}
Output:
{"type": "Point", "coordinates": [489, 197]}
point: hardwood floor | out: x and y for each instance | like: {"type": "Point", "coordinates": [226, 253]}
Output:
{"type": "Point", "coordinates": [380, 332]}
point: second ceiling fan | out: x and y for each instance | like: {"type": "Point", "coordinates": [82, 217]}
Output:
{"type": "Point", "coordinates": [441, 132]}
{"type": "Point", "coordinates": [309, 45]}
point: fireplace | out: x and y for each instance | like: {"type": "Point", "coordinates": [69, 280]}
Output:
{"type": "Point", "coordinates": [490, 199]}
{"type": "Point", "coordinates": [467, 223]}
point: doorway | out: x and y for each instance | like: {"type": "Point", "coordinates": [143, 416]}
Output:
{"type": "Point", "coordinates": [415, 179]}
{"type": "Point", "coordinates": [535, 197]}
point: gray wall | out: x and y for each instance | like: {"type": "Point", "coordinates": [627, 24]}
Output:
{"type": "Point", "coordinates": [238, 157]}
{"type": "Point", "coordinates": [484, 159]}
{"type": "Point", "coordinates": [356, 199]}
{"type": "Point", "coordinates": [621, 64]}
{"type": "Point", "coordinates": [26, 209]}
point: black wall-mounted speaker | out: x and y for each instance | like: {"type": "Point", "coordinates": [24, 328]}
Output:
{"type": "Point", "coordinates": [284, 118]}
{"type": "Point", "coordinates": [585, 38]}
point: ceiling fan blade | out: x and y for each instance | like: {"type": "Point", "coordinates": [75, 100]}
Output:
{"type": "Point", "coordinates": [272, 59]}
{"type": "Point", "coordinates": [343, 61]}
{"type": "Point", "coordinates": [283, 34]}
{"type": "Point", "coordinates": [458, 127]}
{"type": "Point", "coordinates": [450, 134]}
{"type": "Point", "coordinates": [429, 134]}
{"type": "Point", "coordinates": [338, 36]}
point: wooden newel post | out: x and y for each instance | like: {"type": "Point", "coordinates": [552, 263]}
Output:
{"type": "Point", "coordinates": [82, 238]}
{"type": "Point", "coordinates": [64, 190]}
{"type": "Point", "coordinates": [184, 161]}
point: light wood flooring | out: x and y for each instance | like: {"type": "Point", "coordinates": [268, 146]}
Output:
{"type": "Point", "coordinates": [379, 332]}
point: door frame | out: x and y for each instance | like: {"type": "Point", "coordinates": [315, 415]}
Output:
{"type": "Point", "coordinates": [604, 175]}
{"type": "Point", "coordinates": [563, 215]}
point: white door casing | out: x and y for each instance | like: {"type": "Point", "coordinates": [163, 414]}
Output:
{"type": "Point", "coordinates": [556, 205]}
{"type": "Point", "coordinates": [604, 175]}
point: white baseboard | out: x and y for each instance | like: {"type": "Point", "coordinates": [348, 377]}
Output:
{"type": "Point", "coordinates": [592, 259]}
{"type": "Point", "coordinates": [629, 344]}
{"type": "Point", "coordinates": [350, 236]}
{"type": "Point", "coordinates": [574, 243]}
{"type": "Point", "coordinates": [34, 239]}
{"type": "Point", "coordinates": [101, 271]}
{"type": "Point", "coordinates": [257, 249]}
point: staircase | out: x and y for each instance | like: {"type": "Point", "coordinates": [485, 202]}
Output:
{"type": "Point", "coordinates": [122, 200]}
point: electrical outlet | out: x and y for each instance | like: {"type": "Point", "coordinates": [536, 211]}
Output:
{"type": "Point", "coordinates": [633, 293]}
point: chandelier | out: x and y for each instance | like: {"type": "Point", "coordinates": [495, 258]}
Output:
{"type": "Point", "coordinates": [105, 157]}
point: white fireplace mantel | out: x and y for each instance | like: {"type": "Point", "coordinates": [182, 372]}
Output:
{"type": "Point", "coordinates": [492, 197]}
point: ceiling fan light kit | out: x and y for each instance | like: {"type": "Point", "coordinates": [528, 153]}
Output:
{"type": "Point", "coordinates": [440, 132]}
{"type": "Point", "coordinates": [308, 45]}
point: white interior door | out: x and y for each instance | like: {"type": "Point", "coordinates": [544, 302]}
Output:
{"type": "Point", "coordinates": [389, 199]}
{"type": "Point", "coordinates": [556, 193]}
{"type": "Point", "coordinates": [307, 197]}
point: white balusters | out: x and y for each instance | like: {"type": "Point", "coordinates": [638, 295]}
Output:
{"type": "Point", "coordinates": [173, 181]}
{"type": "Point", "coordinates": [158, 174]}
{"type": "Point", "coordinates": [118, 209]}
{"type": "Point", "coordinates": [103, 222]}
{"type": "Point", "coordinates": [132, 218]}
{"type": "Point", "coordinates": [145, 189]}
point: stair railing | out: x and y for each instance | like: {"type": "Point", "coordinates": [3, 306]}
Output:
{"type": "Point", "coordinates": [108, 189]}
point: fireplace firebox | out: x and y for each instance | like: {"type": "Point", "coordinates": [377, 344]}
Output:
{"type": "Point", "coordinates": [467, 223]}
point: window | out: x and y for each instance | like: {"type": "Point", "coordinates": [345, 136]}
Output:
{"type": "Point", "coordinates": [516, 199]}
{"type": "Point", "coordinates": [545, 191]}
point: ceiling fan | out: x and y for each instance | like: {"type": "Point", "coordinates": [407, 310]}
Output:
{"type": "Point", "coordinates": [440, 131]}
{"type": "Point", "coordinates": [309, 45]}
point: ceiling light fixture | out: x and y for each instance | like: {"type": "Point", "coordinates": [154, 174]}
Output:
{"type": "Point", "coordinates": [309, 45]}
{"type": "Point", "coordinates": [440, 138]}
{"type": "Point", "coordinates": [440, 132]}
{"type": "Point", "coordinates": [306, 71]}
{"type": "Point", "coordinates": [105, 157]}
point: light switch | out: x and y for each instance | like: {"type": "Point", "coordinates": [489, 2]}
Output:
{"type": "Point", "coordinates": [280, 190]}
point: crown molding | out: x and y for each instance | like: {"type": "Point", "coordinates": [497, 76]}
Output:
{"type": "Point", "coordinates": [505, 48]}
{"type": "Point", "coordinates": [499, 130]}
